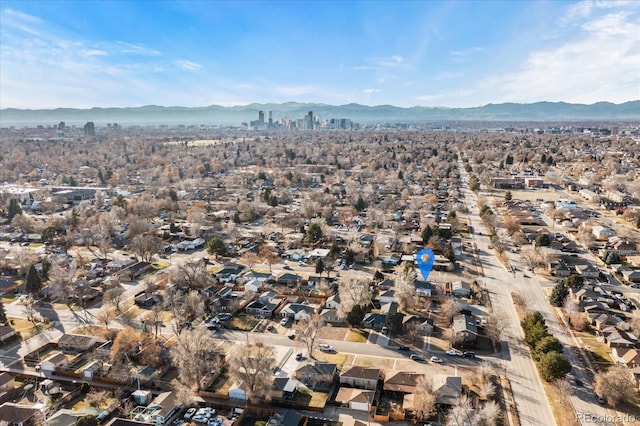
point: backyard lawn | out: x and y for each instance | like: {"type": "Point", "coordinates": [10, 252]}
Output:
{"type": "Point", "coordinates": [359, 336]}
{"type": "Point", "coordinates": [242, 322]}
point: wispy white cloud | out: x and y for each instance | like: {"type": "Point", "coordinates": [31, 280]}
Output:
{"type": "Point", "coordinates": [370, 91]}
{"type": "Point", "coordinates": [134, 49]}
{"type": "Point", "coordinates": [188, 65]}
{"type": "Point", "coordinates": [466, 52]}
{"type": "Point", "coordinates": [389, 61]}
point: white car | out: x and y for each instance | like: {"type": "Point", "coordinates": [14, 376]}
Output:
{"type": "Point", "coordinates": [190, 412]}
{"type": "Point", "coordinates": [284, 321]}
{"type": "Point", "coordinates": [436, 360]}
{"type": "Point", "coordinates": [454, 352]}
{"type": "Point", "coordinates": [326, 348]}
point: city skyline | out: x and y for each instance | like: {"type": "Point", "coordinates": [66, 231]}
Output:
{"type": "Point", "coordinates": [118, 54]}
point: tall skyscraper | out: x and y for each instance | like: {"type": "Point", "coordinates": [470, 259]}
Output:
{"type": "Point", "coordinates": [270, 119]}
{"type": "Point", "coordinates": [311, 120]}
{"type": "Point", "coordinates": [89, 129]}
{"type": "Point", "coordinates": [261, 117]}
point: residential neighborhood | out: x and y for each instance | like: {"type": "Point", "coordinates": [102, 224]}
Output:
{"type": "Point", "coordinates": [225, 277]}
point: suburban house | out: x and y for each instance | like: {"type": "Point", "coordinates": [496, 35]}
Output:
{"type": "Point", "coordinates": [53, 362]}
{"type": "Point", "coordinates": [465, 330]}
{"type": "Point", "coordinates": [629, 358]}
{"type": "Point", "coordinates": [447, 388]}
{"type": "Point", "coordinates": [298, 311]}
{"type": "Point", "coordinates": [460, 289]}
{"type": "Point", "coordinates": [401, 381]}
{"type": "Point", "coordinates": [424, 326]}
{"type": "Point", "coordinates": [332, 302]}
{"type": "Point", "coordinates": [12, 414]}
{"type": "Point", "coordinates": [360, 377]}
{"type": "Point", "coordinates": [560, 269]}
{"type": "Point", "coordinates": [355, 399]}
{"type": "Point", "coordinates": [286, 418]}
{"type": "Point", "coordinates": [387, 296]}
{"type": "Point", "coordinates": [332, 316]}
{"type": "Point", "coordinates": [616, 338]}
{"type": "Point", "coordinates": [587, 271]}
{"type": "Point", "coordinates": [7, 382]}
{"type": "Point", "coordinates": [289, 279]}
{"type": "Point", "coordinates": [602, 233]}
{"type": "Point", "coordinates": [632, 276]}
{"type": "Point", "coordinates": [265, 305]}
{"type": "Point", "coordinates": [76, 343]}
{"type": "Point", "coordinates": [6, 333]}
{"type": "Point", "coordinates": [284, 387]}
{"type": "Point", "coordinates": [167, 405]}
{"type": "Point", "coordinates": [318, 373]}
{"type": "Point", "coordinates": [423, 288]}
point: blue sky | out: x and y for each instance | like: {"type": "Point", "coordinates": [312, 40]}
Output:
{"type": "Point", "coordinates": [454, 53]}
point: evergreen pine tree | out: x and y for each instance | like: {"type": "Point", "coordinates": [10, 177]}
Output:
{"type": "Point", "coordinates": [33, 281]}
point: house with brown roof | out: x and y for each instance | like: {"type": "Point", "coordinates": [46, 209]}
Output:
{"type": "Point", "coordinates": [7, 382]}
{"type": "Point", "coordinates": [356, 399]}
{"type": "Point", "coordinates": [323, 373]}
{"type": "Point", "coordinates": [13, 414]}
{"type": "Point", "coordinates": [50, 364]}
{"type": "Point", "coordinates": [587, 271]}
{"type": "Point", "coordinates": [401, 381]}
{"type": "Point", "coordinates": [360, 377]}
{"type": "Point", "coordinates": [615, 338]}
{"type": "Point", "coordinates": [628, 357]}
{"type": "Point", "coordinates": [76, 343]}
{"type": "Point", "coordinates": [6, 333]}
{"type": "Point", "coordinates": [447, 388]}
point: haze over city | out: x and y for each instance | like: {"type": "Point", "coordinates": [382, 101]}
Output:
{"type": "Point", "coordinates": [455, 54]}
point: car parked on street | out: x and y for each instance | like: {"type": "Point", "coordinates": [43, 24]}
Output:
{"type": "Point", "coordinates": [454, 352]}
{"type": "Point", "coordinates": [417, 357]}
{"type": "Point", "coordinates": [324, 347]}
{"type": "Point", "coordinates": [436, 360]}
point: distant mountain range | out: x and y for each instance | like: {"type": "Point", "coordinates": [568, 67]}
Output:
{"type": "Point", "coordinates": [215, 114]}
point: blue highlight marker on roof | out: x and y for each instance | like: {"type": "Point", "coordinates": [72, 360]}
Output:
{"type": "Point", "coordinates": [425, 260]}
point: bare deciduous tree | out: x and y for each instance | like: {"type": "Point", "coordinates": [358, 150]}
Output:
{"type": "Point", "coordinates": [352, 291]}
{"type": "Point", "coordinates": [461, 413]}
{"type": "Point", "coordinates": [424, 400]}
{"type": "Point", "coordinates": [194, 356]}
{"type": "Point", "coordinates": [308, 332]}
{"type": "Point", "coordinates": [105, 316]}
{"type": "Point", "coordinates": [405, 285]}
{"type": "Point", "coordinates": [191, 275]}
{"type": "Point", "coordinates": [251, 366]}
{"type": "Point", "coordinates": [617, 384]}
{"type": "Point", "coordinates": [488, 414]}
{"type": "Point", "coordinates": [114, 297]}
{"type": "Point", "coordinates": [449, 309]}
{"type": "Point", "coordinates": [145, 246]}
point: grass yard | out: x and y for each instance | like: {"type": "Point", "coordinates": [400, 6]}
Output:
{"type": "Point", "coordinates": [28, 329]}
{"type": "Point", "coordinates": [337, 358]}
{"type": "Point", "coordinates": [157, 266]}
{"type": "Point", "coordinates": [359, 336]}
{"type": "Point", "coordinates": [560, 406]}
{"type": "Point", "coordinates": [366, 361]}
{"type": "Point", "coordinates": [310, 398]}
{"type": "Point", "coordinates": [221, 385]}
{"type": "Point", "coordinates": [92, 330]}
{"type": "Point", "coordinates": [242, 322]}
{"type": "Point", "coordinates": [599, 350]}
